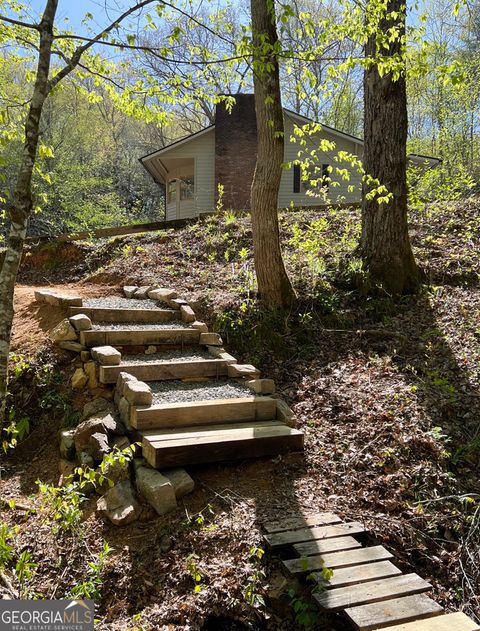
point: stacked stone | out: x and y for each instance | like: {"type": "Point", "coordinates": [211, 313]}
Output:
{"type": "Point", "coordinates": [100, 433]}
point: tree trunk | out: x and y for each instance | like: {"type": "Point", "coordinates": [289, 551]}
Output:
{"type": "Point", "coordinates": [274, 287]}
{"type": "Point", "coordinates": [385, 244]}
{"type": "Point", "coordinates": [23, 202]}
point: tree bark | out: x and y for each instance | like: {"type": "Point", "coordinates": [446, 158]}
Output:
{"type": "Point", "coordinates": [385, 244]}
{"type": "Point", "coordinates": [274, 287]}
{"type": "Point", "coordinates": [23, 201]}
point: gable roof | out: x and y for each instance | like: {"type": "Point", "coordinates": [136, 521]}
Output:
{"type": "Point", "coordinates": [291, 113]}
{"type": "Point", "coordinates": [332, 130]}
{"type": "Point", "coordinates": [177, 143]}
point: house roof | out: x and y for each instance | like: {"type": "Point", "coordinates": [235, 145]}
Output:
{"type": "Point", "coordinates": [332, 130]}
{"type": "Point", "coordinates": [304, 119]}
{"type": "Point", "coordinates": [177, 143]}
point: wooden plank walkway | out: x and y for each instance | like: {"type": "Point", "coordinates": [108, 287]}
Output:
{"type": "Point", "coordinates": [366, 587]}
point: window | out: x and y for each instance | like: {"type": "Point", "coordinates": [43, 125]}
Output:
{"type": "Point", "coordinates": [325, 176]}
{"type": "Point", "coordinates": [172, 191]}
{"type": "Point", "coordinates": [296, 178]}
{"type": "Point", "coordinates": [317, 179]}
{"type": "Point", "coordinates": [186, 188]}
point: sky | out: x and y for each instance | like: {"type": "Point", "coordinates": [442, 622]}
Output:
{"type": "Point", "coordinates": [104, 12]}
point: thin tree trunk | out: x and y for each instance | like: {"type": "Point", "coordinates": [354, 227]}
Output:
{"type": "Point", "coordinates": [23, 202]}
{"type": "Point", "coordinates": [274, 287]}
{"type": "Point", "coordinates": [385, 244]}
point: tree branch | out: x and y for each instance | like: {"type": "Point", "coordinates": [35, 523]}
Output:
{"type": "Point", "coordinates": [198, 22]}
{"type": "Point", "coordinates": [149, 49]}
{"type": "Point", "coordinates": [35, 27]}
{"type": "Point", "coordinates": [82, 49]}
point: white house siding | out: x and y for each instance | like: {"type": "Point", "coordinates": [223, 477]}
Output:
{"type": "Point", "coordinates": [187, 209]}
{"type": "Point", "coordinates": [336, 193]}
{"type": "Point", "coordinates": [171, 211]}
{"type": "Point", "coordinates": [202, 149]}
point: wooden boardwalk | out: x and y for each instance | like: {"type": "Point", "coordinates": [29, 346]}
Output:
{"type": "Point", "coordinates": [370, 591]}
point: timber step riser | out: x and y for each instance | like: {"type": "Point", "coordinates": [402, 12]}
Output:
{"type": "Point", "coordinates": [209, 412]}
{"type": "Point", "coordinates": [166, 370]}
{"type": "Point", "coordinates": [229, 445]}
{"type": "Point", "coordinates": [152, 316]}
{"type": "Point", "coordinates": [125, 337]}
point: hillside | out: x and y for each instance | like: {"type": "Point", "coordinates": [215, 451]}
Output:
{"type": "Point", "coordinates": [388, 394]}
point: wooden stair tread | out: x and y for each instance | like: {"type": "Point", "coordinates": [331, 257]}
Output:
{"type": "Point", "coordinates": [372, 592]}
{"type": "Point", "coordinates": [156, 435]}
{"type": "Point", "coordinates": [165, 364]}
{"type": "Point", "coordinates": [139, 337]}
{"type": "Point", "coordinates": [256, 440]}
{"type": "Point", "coordinates": [207, 411]}
{"type": "Point", "coordinates": [202, 403]}
{"type": "Point", "coordinates": [293, 523]}
{"type": "Point", "coordinates": [162, 370]}
{"type": "Point", "coordinates": [217, 433]}
{"type": "Point", "coordinates": [457, 621]}
{"type": "Point", "coordinates": [338, 559]}
{"type": "Point", "coordinates": [342, 577]}
{"type": "Point", "coordinates": [371, 616]}
{"type": "Point", "coordinates": [276, 540]}
{"type": "Point", "coordinates": [130, 314]}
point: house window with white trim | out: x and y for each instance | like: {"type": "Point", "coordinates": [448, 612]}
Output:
{"type": "Point", "coordinates": [187, 185]}
{"type": "Point", "coordinates": [172, 191]}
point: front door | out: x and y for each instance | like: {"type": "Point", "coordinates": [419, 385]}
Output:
{"type": "Point", "coordinates": [181, 189]}
{"type": "Point", "coordinates": [173, 199]}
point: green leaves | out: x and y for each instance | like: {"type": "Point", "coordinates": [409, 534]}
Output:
{"type": "Point", "coordinates": [45, 152]}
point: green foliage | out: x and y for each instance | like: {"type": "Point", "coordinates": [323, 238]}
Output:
{"type": "Point", "coordinates": [15, 430]}
{"type": "Point", "coordinates": [24, 569]}
{"type": "Point", "coordinates": [194, 571]}
{"type": "Point", "coordinates": [306, 614]}
{"type": "Point", "coordinates": [253, 331]}
{"type": "Point", "coordinates": [464, 453]}
{"type": "Point", "coordinates": [90, 587]}
{"type": "Point", "coordinates": [7, 536]}
{"type": "Point", "coordinates": [252, 589]}
{"type": "Point", "coordinates": [309, 243]}
{"type": "Point", "coordinates": [202, 519]}
{"type": "Point", "coordinates": [305, 611]}
{"type": "Point", "coordinates": [440, 184]}
{"type": "Point", "coordinates": [21, 564]}
{"type": "Point", "coordinates": [65, 502]}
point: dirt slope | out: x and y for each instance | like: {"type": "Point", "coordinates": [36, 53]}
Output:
{"type": "Point", "coordinates": [388, 394]}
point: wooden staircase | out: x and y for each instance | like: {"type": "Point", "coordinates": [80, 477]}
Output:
{"type": "Point", "coordinates": [185, 432]}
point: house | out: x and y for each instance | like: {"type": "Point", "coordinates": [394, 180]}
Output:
{"type": "Point", "coordinates": [222, 156]}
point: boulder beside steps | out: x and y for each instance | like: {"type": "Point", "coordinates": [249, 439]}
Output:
{"type": "Point", "coordinates": [179, 434]}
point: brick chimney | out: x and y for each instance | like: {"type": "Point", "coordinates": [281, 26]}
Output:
{"type": "Point", "coordinates": [235, 151]}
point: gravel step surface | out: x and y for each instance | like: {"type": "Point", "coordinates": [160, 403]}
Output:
{"type": "Point", "coordinates": [168, 356]}
{"type": "Point", "coordinates": [117, 302]}
{"type": "Point", "coordinates": [139, 326]}
{"type": "Point", "coordinates": [178, 392]}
